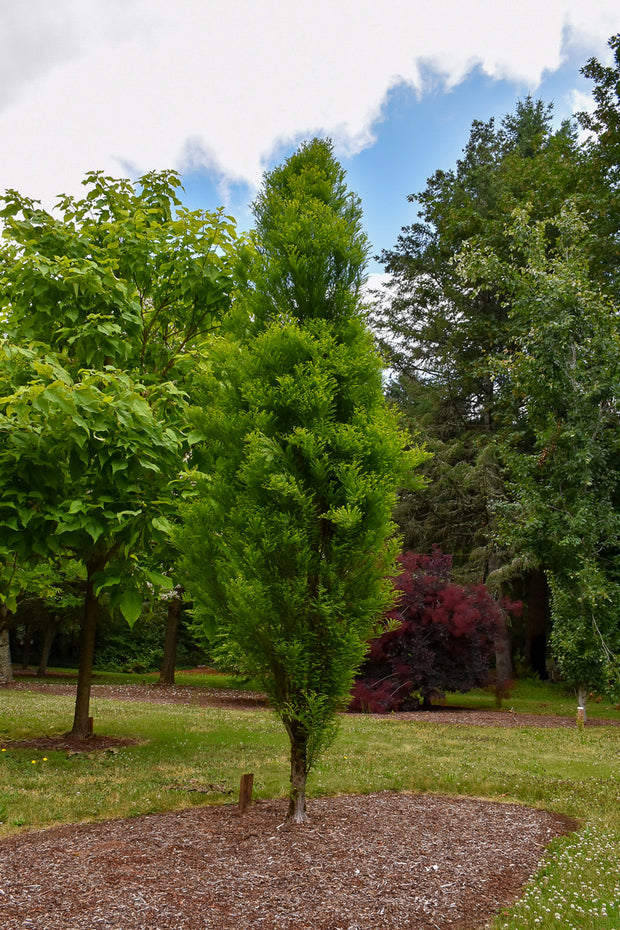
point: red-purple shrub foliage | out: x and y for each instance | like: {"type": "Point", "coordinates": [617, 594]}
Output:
{"type": "Point", "coordinates": [442, 640]}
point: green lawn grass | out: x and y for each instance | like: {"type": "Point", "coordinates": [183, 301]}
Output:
{"type": "Point", "coordinates": [527, 696]}
{"type": "Point", "coordinates": [530, 696]}
{"type": "Point", "coordinates": [195, 678]}
{"type": "Point", "coordinates": [182, 748]}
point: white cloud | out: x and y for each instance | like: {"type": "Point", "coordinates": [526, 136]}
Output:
{"type": "Point", "coordinates": [142, 84]}
{"type": "Point", "coordinates": [376, 284]}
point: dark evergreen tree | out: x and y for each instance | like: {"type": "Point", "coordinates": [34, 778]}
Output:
{"type": "Point", "coordinates": [440, 332]}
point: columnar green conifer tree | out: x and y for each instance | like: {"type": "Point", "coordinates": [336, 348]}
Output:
{"type": "Point", "coordinates": [290, 543]}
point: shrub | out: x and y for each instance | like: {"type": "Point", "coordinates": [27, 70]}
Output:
{"type": "Point", "coordinates": [140, 648]}
{"type": "Point", "coordinates": [440, 637]}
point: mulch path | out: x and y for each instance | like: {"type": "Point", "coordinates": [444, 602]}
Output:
{"type": "Point", "coordinates": [387, 861]}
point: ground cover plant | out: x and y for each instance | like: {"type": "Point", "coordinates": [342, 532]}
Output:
{"type": "Point", "coordinates": [190, 754]}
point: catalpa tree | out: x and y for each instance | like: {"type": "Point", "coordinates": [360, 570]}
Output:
{"type": "Point", "coordinates": [103, 306]}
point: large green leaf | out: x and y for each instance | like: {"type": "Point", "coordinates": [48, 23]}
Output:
{"type": "Point", "coordinates": [130, 603]}
{"type": "Point", "coordinates": [157, 580]}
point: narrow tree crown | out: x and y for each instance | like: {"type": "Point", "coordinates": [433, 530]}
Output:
{"type": "Point", "coordinates": [311, 248]}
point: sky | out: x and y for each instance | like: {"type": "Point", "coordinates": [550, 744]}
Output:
{"type": "Point", "coordinates": [223, 91]}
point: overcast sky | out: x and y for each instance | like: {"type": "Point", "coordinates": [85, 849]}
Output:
{"type": "Point", "coordinates": [223, 90]}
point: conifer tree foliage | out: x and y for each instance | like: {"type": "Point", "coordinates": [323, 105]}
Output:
{"type": "Point", "coordinates": [290, 544]}
{"type": "Point", "coordinates": [603, 165]}
{"type": "Point", "coordinates": [440, 331]}
{"type": "Point", "coordinates": [441, 637]}
{"type": "Point", "coordinates": [558, 433]}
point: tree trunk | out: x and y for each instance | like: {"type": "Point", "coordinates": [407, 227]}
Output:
{"type": "Point", "coordinates": [581, 703]}
{"type": "Point", "coordinates": [299, 771]}
{"type": "Point", "coordinates": [6, 668]}
{"type": "Point", "coordinates": [537, 622]}
{"type": "Point", "coordinates": [28, 637]}
{"type": "Point", "coordinates": [503, 649]}
{"type": "Point", "coordinates": [503, 663]}
{"type": "Point", "coordinates": [175, 605]}
{"type": "Point", "coordinates": [51, 628]}
{"type": "Point", "coordinates": [81, 726]}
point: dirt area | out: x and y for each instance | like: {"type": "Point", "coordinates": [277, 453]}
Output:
{"type": "Point", "coordinates": [386, 861]}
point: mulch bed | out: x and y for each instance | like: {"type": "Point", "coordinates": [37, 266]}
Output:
{"type": "Point", "coordinates": [387, 861]}
{"type": "Point", "coordinates": [155, 694]}
{"type": "Point", "coordinates": [374, 862]}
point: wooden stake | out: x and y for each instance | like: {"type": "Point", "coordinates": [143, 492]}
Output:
{"type": "Point", "coordinates": [245, 792]}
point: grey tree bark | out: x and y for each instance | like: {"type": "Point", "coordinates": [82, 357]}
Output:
{"type": "Point", "coordinates": [299, 772]}
{"type": "Point", "coordinates": [6, 666]}
{"type": "Point", "coordinates": [51, 628]}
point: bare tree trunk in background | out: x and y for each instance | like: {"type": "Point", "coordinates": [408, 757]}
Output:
{"type": "Point", "coordinates": [582, 695]}
{"type": "Point", "coordinates": [175, 606]}
{"type": "Point", "coordinates": [504, 669]}
{"type": "Point", "coordinates": [28, 637]}
{"type": "Point", "coordinates": [51, 628]}
{"type": "Point", "coordinates": [6, 666]}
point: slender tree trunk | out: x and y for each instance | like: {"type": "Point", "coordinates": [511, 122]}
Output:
{"type": "Point", "coordinates": [81, 728]}
{"type": "Point", "coordinates": [51, 628]}
{"type": "Point", "coordinates": [175, 605]}
{"type": "Point", "coordinates": [503, 663]}
{"type": "Point", "coordinates": [28, 636]}
{"type": "Point", "coordinates": [299, 771]}
{"type": "Point", "coordinates": [504, 672]}
{"type": "Point", "coordinates": [493, 492]}
{"type": "Point", "coordinates": [582, 695]}
{"type": "Point", "coordinates": [6, 667]}
{"type": "Point", "coordinates": [537, 622]}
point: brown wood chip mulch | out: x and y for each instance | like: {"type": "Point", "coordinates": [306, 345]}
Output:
{"type": "Point", "coordinates": [384, 861]}
{"type": "Point", "coordinates": [362, 863]}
